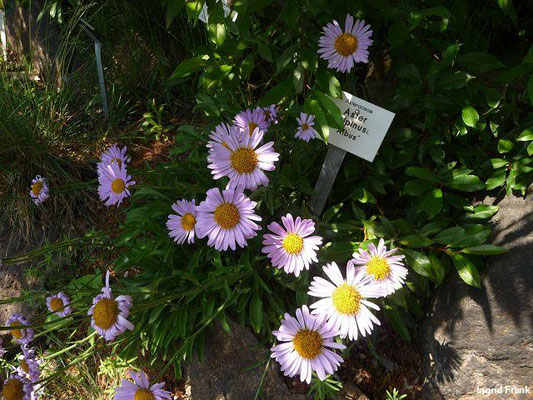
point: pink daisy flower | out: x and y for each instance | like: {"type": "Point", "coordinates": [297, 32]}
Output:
{"type": "Point", "coordinates": [248, 120]}
{"type": "Point", "coordinates": [343, 301]}
{"type": "Point", "coordinates": [305, 129]}
{"type": "Point", "coordinates": [289, 246]}
{"type": "Point", "coordinates": [29, 366]}
{"type": "Point", "coordinates": [383, 268]}
{"type": "Point", "coordinates": [221, 135]}
{"type": "Point", "coordinates": [182, 226]}
{"type": "Point", "coordinates": [59, 304]}
{"type": "Point", "coordinates": [39, 191]}
{"type": "Point", "coordinates": [306, 343]}
{"type": "Point", "coordinates": [242, 161]}
{"type": "Point", "coordinates": [227, 218]}
{"type": "Point", "coordinates": [18, 387]}
{"type": "Point", "coordinates": [271, 115]}
{"type": "Point", "coordinates": [112, 155]}
{"type": "Point", "coordinates": [21, 335]}
{"type": "Point", "coordinates": [344, 49]}
{"type": "Point", "coordinates": [108, 315]}
{"type": "Point", "coordinates": [140, 389]}
{"type": "Point", "coordinates": [114, 183]}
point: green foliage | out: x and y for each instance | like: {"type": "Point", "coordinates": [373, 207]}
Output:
{"type": "Point", "coordinates": [395, 395]}
{"type": "Point", "coordinates": [324, 390]}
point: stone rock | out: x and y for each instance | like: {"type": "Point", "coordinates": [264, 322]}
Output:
{"type": "Point", "coordinates": [483, 338]}
{"type": "Point", "coordinates": [223, 374]}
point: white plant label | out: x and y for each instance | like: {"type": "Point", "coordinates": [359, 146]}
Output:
{"type": "Point", "coordinates": [365, 126]}
{"type": "Point", "coordinates": [3, 41]}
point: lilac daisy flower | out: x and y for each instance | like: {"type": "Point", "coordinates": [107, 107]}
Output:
{"type": "Point", "coordinates": [17, 387]}
{"type": "Point", "coordinates": [39, 191]}
{"type": "Point", "coordinates": [343, 301]}
{"type": "Point", "coordinates": [381, 266]}
{"type": "Point", "coordinates": [21, 335]}
{"type": "Point", "coordinates": [141, 389]}
{"type": "Point", "coordinates": [242, 161]}
{"type": "Point", "coordinates": [59, 304]}
{"type": "Point", "coordinates": [109, 314]}
{"type": "Point", "coordinates": [2, 349]}
{"type": "Point", "coordinates": [306, 339]}
{"type": "Point", "coordinates": [114, 183]}
{"type": "Point", "coordinates": [344, 49]}
{"type": "Point", "coordinates": [181, 226]}
{"type": "Point", "coordinates": [29, 366]}
{"type": "Point", "coordinates": [248, 120]}
{"type": "Point", "coordinates": [271, 115]}
{"type": "Point", "coordinates": [289, 246]}
{"type": "Point", "coordinates": [112, 155]}
{"type": "Point", "coordinates": [221, 135]}
{"type": "Point", "coordinates": [305, 129]}
{"type": "Point", "coordinates": [227, 219]}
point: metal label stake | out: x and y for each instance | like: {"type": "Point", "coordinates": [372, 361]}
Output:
{"type": "Point", "coordinates": [3, 38]}
{"type": "Point", "coordinates": [89, 30]}
{"type": "Point", "coordinates": [326, 179]}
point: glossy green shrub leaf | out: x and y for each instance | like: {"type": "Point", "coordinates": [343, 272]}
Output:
{"type": "Point", "coordinates": [470, 116]}
{"type": "Point", "coordinates": [466, 269]}
{"type": "Point", "coordinates": [485, 250]}
{"type": "Point", "coordinates": [525, 136]}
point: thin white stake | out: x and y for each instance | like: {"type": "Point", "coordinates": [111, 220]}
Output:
{"type": "Point", "coordinates": [3, 38]}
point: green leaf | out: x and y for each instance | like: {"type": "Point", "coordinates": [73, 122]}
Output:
{"type": "Point", "coordinates": [483, 211]}
{"type": "Point", "coordinates": [396, 320]}
{"type": "Point", "coordinates": [312, 106]}
{"type": "Point", "coordinates": [438, 267]}
{"type": "Point", "coordinates": [422, 173]}
{"type": "Point", "coordinates": [470, 116]}
{"type": "Point", "coordinates": [480, 62]}
{"type": "Point", "coordinates": [432, 202]}
{"type": "Point", "coordinates": [417, 187]}
{"type": "Point", "coordinates": [450, 80]}
{"type": "Point", "coordinates": [174, 8]}
{"type": "Point", "coordinates": [466, 269]}
{"type": "Point", "coordinates": [498, 162]}
{"type": "Point", "coordinates": [508, 9]}
{"type": "Point", "coordinates": [461, 180]}
{"type": "Point", "coordinates": [485, 250]}
{"type": "Point", "coordinates": [526, 135]}
{"type": "Point", "coordinates": [332, 110]}
{"type": "Point", "coordinates": [419, 263]}
{"type": "Point", "coordinates": [256, 313]}
{"type": "Point", "coordinates": [277, 93]}
{"type": "Point", "coordinates": [505, 146]}
{"type": "Point", "coordinates": [298, 78]}
{"type": "Point", "coordinates": [264, 51]}
{"type": "Point", "coordinates": [189, 66]}
{"type": "Point", "coordinates": [216, 24]}
{"type": "Point", "coordinates": [194, 8]}
{"type": "Point", "coordinates": [416, 241]}
{"type": "Point", "coordinates": [450, 236]}
{"type": "Point", "coordinates": [530, 149]}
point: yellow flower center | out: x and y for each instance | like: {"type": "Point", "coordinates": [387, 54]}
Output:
{"type": "Point", "coordinates": [118, 186]}
{"type": "Point", "coordinates": [143, 394]}
{"type": "Point", "coordinates": [105, 313]}
{"type": "Point", "coordinates": [243, 160]}
{"type": "Point", "coordinates": [117, 160]}
{"type": "Point", "coordinates": [24, 365]}
{"type": "Point", "coordinates": [13, 390]}
{"type": "Point", "coordinates": [251, 127]}
{"type": "Point", "coordinates": [305, 127]}
{"type": "Point", "coordinates": [36, 188]}
{"type": "Point", "coordinates": [227, 215]}
{"type": "Point", "coordinates": [346, 44]}
{"type": "Point", "coordinates": [56, 304]}
{"type": "Point", "coordinates": [347, 299]}
{"type": "Point", "coordinates": [187, 222]}
{"type": "Point", "coordinates": [307, 343]}
{"type": "Point", "coordinates": [293, 243]}
{"type": "Point", "coordinates": [16, 333]}
{"type": "Point", "coordinates": [378, 267]}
